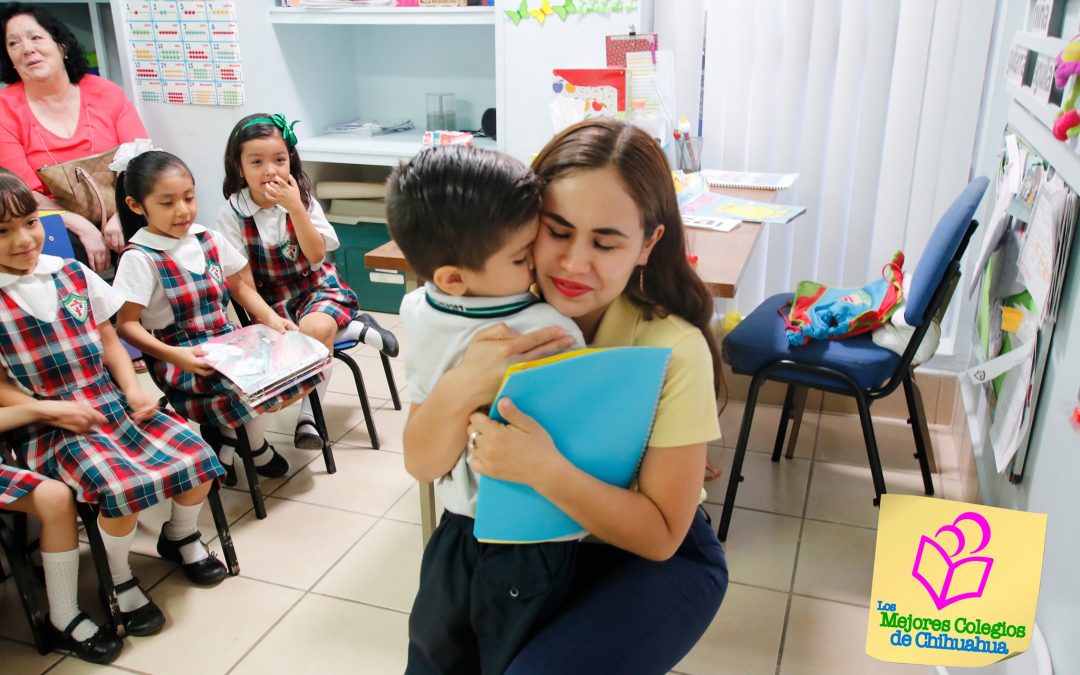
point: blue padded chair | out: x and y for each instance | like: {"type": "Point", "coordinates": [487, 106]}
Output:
{"type": "Point", "coordinates": [854, 366]}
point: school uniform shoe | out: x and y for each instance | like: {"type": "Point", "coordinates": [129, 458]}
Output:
{"type": "Point", "coordinates": [306, 437]}
{"type": "Point", "coordinates": [102, 647]}
{"type": "Point", "coordinates": [141, 622]}
{"type": "Point", "coordinates": [277, 467]}
{"type": "Point", "coordinates": [207, 572]}
{"type": "Point", "coordinates": [389, 342]}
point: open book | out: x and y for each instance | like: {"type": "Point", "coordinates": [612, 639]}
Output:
{"type": "Point", "coordinates": [598, 406]}
{"type": "Point", "coordinates": [262, 362]}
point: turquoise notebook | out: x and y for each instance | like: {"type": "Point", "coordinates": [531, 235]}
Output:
{"type": "Point", "coordinates": [598, 406]}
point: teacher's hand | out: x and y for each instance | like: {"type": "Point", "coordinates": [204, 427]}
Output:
{"type": "Point", "coordinates": [493, 349]}
{"type": "Point", "coordinates": [97, 254]}
{"type": "Point", "coordinates": [520, 451]}
{"type": "Point", "coordinates": [114, 234]}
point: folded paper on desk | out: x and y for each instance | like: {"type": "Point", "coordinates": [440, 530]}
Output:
{"type": "Point", "coordinates": [262, 362]}
{"type": "Point", "coordinates": [598, 406]}
{"type": "Point", "coordinates": [748, 179]}
{"type": "Point", "coordinates": [711, 204]}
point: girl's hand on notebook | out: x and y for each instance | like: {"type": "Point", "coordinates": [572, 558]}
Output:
{"type": "Point", "coordinates": [189, 359]}
{"type": "Point", "coordinates": [285, 192]}
{"type": "Point", "coordinates": [521, 451]}
{"type": "Point", "coordinates": [143, 405]}
{"type": "Point", "coordinates": [279, 324]}
{"type": "Point", "coordinates": [77, 417]}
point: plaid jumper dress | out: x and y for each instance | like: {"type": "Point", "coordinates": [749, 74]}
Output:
{"type": "Point", "coordinates": [198, 303]}
{"type": "Point", "coordinates": [16, 483]}
{"type": "Point", "coordinates": [290, 285]}
{"type": "Point", "coordinates": [124, 466]}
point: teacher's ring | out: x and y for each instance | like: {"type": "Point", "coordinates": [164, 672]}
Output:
{"type": "Point", "coordinates": [473, 435]}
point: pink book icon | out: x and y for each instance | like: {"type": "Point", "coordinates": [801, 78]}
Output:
{"type": "Point", "coordinates": [951, 577]}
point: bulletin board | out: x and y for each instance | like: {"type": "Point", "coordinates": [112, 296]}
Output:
{"type": "Point", "coordinates": [185, 52]}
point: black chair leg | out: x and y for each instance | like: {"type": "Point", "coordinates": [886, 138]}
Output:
{"type": "Point", "coordinates": [917, 419]}
{"type": "Point", "coordinates": [785, 415]}
{"type": "Point", "coordinates": [390, 381]}
{"type": "Point", "coordinates": [222, 525]}
{"type": "Point", "coordinates": [361, 392]}
{"type": "Point", "coordinates": [740, 453]}
{"type": "Point", "coordinates": [798, 409]}
{"type": "Point", "coordinates": [871, 446]}
{"type": "Point", "coordinates": [14, 549]}
{"type": "Point", "coordinates": [243, 449]}
{"type": "Point", "coordinates": [88, 515]}
{"type": "Point", "coordinates": [320, 425]}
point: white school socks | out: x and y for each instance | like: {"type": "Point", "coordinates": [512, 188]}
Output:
{"type": "Point", "coordinates": [305, 408]}
{"type": "Point", "coordinates": [117, 550]}
{"type": "Point", "coordinates": [361, 332]}
{"type": "Point", "coordinates": [184, 522]}
{"type": "Point", "coordinates": [256, 433]}
{"type": "Point", "coordinates": [62, 587]}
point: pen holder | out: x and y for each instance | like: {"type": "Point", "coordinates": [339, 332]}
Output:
{"type": "Point", "coordinates": [688, 154]}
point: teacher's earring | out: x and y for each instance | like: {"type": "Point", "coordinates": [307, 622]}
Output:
{"type": "Point", "coordinates": [641, 279]}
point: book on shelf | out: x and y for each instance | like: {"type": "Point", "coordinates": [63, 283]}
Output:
{"type": "Point", "coordinates": [749, 179]}
{"type": "Point", "coordinates": [262, 362]}
{"type": "Point", "coordinates": [352, 211]}
{"type": "Point", "coordinates": [598, 406]}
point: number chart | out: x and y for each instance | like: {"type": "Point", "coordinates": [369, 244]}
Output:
{"type": "Point", "coordinates": [185, 52]}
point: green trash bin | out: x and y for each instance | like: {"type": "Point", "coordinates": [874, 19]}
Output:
{"type": "Point", "coordinates": [378, 290]}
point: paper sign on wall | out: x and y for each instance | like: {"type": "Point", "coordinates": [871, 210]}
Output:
{"type": "Point", "coordinates": [185, 51]}
{"type": "Point", "coordinates": [955, 584]}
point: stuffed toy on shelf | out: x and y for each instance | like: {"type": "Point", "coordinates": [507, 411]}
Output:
{"type": "Point", "coordinates": [1067, 123]}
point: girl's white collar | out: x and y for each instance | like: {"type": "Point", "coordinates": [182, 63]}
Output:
{"type": "Point", "coordinates": [159, 242]}
{"type": "Point", "coordinates": [47, 265]}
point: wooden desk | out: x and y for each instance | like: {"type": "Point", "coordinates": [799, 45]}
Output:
{"type": "Point", "coordinates": [722, 256]}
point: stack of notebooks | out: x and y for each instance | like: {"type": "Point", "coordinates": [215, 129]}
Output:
{"type": "Point", "coordinates": [262, 362]}
{"type": "Point", "coordinates": [353, 202]}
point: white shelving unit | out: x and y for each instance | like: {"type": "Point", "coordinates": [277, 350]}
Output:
{"type": "Point", "coordinates": [385, 16]}
{"type": "Point", "coordinates": [385, 150]}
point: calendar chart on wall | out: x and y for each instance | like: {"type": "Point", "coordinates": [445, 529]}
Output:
{"type": "Point", "coordinates": [185, 52]}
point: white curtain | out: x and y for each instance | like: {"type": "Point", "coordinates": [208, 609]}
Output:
{"type": "Point", "coordinates": [875, 103]}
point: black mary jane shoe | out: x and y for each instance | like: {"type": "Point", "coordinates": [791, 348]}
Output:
{"type": "Point", "coordinates": [390, 344]}
{"type": "Point", "coordinates": [144, 621]}
{"type": "Point", "coordinates": [207, 572]}
{"type": "Point", "coordinates": [102, 647]}
{"type": "Point", "coordinates": [278, 466]}
{"type": "Point", "coordinates": [215, 439]}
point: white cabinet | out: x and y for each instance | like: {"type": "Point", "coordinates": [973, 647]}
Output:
{"type": "Point", "coordinates": [400, 54]}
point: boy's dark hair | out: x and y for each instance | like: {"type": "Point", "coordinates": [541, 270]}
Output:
{"type": "Point", "coordinates": [137, 181]}
{"type": "Point", "coordinates": [16, 199]}
{"type": "Point", "coordinates": [242, 133]}
{"type": "Point", "coordinates": [75, 62]}
{"type": "Point", "coordinates": [456, 205]}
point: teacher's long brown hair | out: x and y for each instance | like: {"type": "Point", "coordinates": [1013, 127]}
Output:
{"type": "Point", "coordinates": [667, 284]}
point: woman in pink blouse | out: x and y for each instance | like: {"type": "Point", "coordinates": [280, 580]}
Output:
{"type": "Point", "coordinates": [53, 111]}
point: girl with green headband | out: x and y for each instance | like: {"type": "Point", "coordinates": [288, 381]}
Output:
{"type": "Point", "coordinates": [271, 217]}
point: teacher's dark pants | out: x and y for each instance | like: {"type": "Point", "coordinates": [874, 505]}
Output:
{"type": "Point", "coordinates": [627, 614]}
{"type": "Point", "coordinates": [478, 604]}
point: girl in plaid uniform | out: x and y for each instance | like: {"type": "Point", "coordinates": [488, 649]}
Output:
{"type": "Point", "coordinates": [56, 343]}
{"type": "Point", "coordinates": [50, 502]}
{"type": "Point", "coordinates": [176, 277]}
{"type": "Point", "coordinates": [271, 217]}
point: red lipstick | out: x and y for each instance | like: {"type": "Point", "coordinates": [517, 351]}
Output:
{"type": "Point", "coordinates": [570, 289]}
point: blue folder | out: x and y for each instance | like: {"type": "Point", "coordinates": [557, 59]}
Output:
{"type": "Point", "coordinates": [598, 405]}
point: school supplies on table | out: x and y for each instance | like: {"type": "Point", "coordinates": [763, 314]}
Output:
{"type": "Point", "coordinates": [702, 203]}
{"type": "Point", "coordinates": [709, 223]}
{"type": "Point", "coordinates": [598, 406]}
{"type": "Point", "coordinates": [749, 179]}
{"type": "Point", "coordinates": [262, 362]}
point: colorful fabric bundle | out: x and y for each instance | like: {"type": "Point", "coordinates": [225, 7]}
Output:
{"type": "Point", "coordinates": [818, 312]}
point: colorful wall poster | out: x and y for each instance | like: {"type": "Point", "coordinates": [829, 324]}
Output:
{"type": "Point", "coordinates": [185, 52]}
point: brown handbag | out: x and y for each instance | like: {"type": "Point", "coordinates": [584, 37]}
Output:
{"type": "Point", "coordinates": [84, 186]}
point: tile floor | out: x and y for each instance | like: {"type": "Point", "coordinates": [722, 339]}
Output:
{"type": "Point", "coordinates": [327, 579]}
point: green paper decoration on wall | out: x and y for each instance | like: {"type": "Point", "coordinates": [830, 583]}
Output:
{"type": "Point", "coordinates": [568, 7]}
